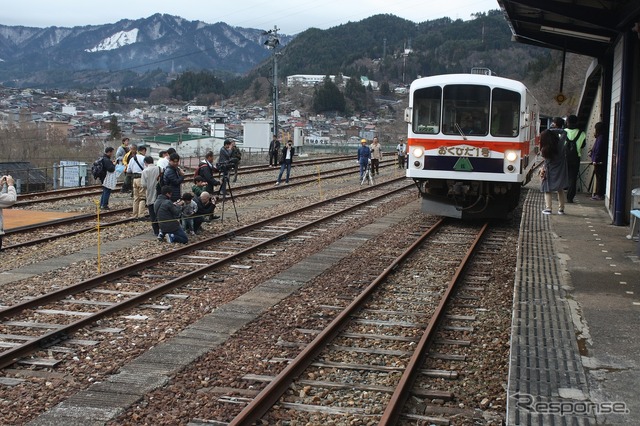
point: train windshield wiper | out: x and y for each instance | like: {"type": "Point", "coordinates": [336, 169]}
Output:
{"type": "Point", "coordinates": [460, 131]}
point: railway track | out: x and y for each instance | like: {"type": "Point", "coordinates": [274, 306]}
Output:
{"type": "Point", "coordinates": [57, 312]}
{"type": "Point", "coordinates": [96, 190]}
{"type": "Point", "coordinates": [384, 346]}
{"type": "Point", "coordinates": [16, 236]}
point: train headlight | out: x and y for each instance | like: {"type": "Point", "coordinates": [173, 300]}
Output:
{"type": "Point", "coordinates": [418, 152]}
{"type": "Point", "coordinates": [511, 156]}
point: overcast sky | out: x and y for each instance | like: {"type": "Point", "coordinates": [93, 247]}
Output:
{"type": "Point", "coordinates": [290, 16]}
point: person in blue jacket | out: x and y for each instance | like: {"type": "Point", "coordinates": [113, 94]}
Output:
{"type": "Point", "coordinates": [364, 155]}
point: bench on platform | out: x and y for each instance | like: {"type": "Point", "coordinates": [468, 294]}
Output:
{"type": "Point", "coordinates": [635, 224]}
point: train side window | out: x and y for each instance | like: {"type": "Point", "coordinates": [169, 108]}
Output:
{"type": "Point", "coordinates": [426, 110]}
{"type": "Point", "coordinates": [505, 113]}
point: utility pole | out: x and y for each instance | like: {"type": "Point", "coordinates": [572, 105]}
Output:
{"type": "Point", "coordinates": [273, 42]}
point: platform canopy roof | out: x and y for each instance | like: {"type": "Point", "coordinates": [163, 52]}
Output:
{"type": "Point", "coordinates": [585, 27]}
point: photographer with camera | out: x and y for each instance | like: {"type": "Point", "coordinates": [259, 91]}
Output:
{"type": "Point", "coordinates": [168, 214]}
{"type": "Point", "coordinates": [225, 163]}
{"type": "Point", "coordinates": [286, 158]}
{"type": "Point", "coordinates": [8, 198]}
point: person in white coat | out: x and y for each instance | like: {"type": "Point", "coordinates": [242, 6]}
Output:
{"type": "Point", "coordinates": [8, 198]}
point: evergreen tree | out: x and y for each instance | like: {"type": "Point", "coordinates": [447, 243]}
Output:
{"type": "Point", "coordinates": [114, 128]}
{"type": "Point", "coordinates": [328, 97]}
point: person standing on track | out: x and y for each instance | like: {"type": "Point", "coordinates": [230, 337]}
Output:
{"type": "Point", "coordinates": [235, 154]}
{"type": "Point", "coordinates": [174, 176]}
{"type": "Point", "coordinates": [8, 197]}
{"type": "Point", "coordinates": [364, 155]}
{"type": "Point", "coordinates": [108, 178]}
{"type": "Point", "coordinates": [225, 164]}
{"type": "Point", "coordinates": [127, 184]}
{"type": "Point", "coordinates": [122, 150]}
{"type": "Point", "coordinates": [274, 151]}
{"type": "Point", "coordinates": [401, 149]}
{"type": "Point", "coordinates": [135, 168]}
{"type": "Point", "coordinates": [205, 171]}
{"type": "Point", "coordinates": [285, 162]}
{"type": "Point", "coordinates": [376, 156]}
{"type": "Point", "coordinates": [149, 181]}
{"type": "Point", "coordinates": [163, 161]}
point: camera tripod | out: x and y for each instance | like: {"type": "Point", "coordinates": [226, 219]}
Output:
{"type": "Point", "coordinates": [224, 186]}
{"type": "Point", "coordinates": [367, 176]}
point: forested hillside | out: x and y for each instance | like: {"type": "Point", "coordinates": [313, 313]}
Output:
{"type": "Point", "coordinates": [389, 49]}
{"type": "Point", "coordinates": [394, 51]}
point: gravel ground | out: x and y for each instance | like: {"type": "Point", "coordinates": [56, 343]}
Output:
{"type": "Point", "coordinates": [195, 393]}
{"type": "Point", "coordinates": [44, 388]}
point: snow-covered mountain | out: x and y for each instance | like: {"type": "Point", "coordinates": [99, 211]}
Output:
{"type": "Point", "coordinates": [45, 56]}
{"type": "Point", "coordinates": [119, 39]}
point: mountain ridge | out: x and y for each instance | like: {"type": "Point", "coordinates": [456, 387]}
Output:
{"type": "Point", "coordinates": [165, 42]}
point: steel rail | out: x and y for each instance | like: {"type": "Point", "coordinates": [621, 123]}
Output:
{"type": "Point", "coordinates": [67, 193]}
{"type": "Point", "coordinates": [68, 233]}
{"type": "Point", "coordinates": [279, 385]}
{"type": "Point", "coordinates": [397, 401]}
{"type": "Point", "coordinates": [12, 355]}
{"type": "Point", "coordinates": [64, 221]}
{"type": "Point", "coordinates": [268, 186]}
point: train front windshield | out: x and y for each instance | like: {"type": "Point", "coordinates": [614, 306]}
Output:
{"type": "Point", "coordinates": [466, 109]}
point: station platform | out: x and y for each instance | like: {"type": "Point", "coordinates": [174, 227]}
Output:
{"type": "Point", "coordinates": [576, 319]}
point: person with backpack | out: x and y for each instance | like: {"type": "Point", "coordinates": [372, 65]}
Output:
{"type": "Point", "coordinates": [206, 171]}
{"type": "Point", "coordinates": [107, 176]}
{"type": "Point", "coordinates": [554, 170]}
{"type": "Point", "coordinates": [573, 145]}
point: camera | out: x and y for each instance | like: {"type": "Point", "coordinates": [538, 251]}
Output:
{"type": "Point", "coordinates": [223, 167]}
{"type": "Point", "coordinates": [226, 166]}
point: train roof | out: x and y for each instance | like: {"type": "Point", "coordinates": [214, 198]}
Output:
{"type": "Point", "coordinates": [444, 79]}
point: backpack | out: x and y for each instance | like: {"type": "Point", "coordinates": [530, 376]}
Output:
{"type": "Point", "coordinates": [97, 169]}
{"type": "Point", "coordinates": [571, 147]}
{"type": "Point", "coordinates": [160, 181]}
{"type": "Point", "coordinates": [235, 153]}
{"type": "Point", "coordinates": [197, 171]}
